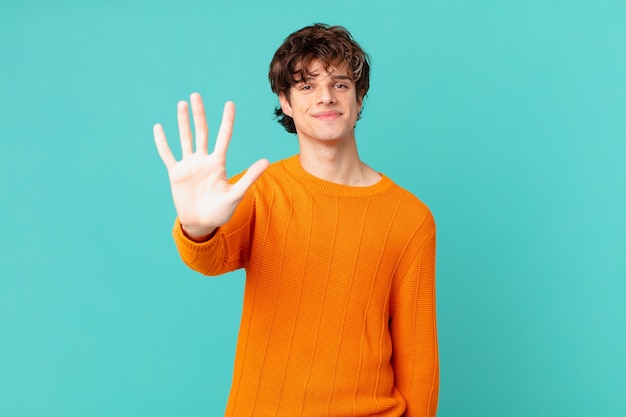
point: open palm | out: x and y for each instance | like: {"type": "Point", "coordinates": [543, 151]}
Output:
{"type": "Point", "coordinates": [203, 197]}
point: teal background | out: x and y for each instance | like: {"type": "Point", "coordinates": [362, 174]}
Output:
{"type": "Point", "coordinates": [507, 118]}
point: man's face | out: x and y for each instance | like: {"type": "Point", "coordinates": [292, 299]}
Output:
{"type": "Point", "coordinates": [325, 105]}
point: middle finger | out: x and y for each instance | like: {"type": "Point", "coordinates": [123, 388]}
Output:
{"type": "Point", "coordinates": [186, 141]}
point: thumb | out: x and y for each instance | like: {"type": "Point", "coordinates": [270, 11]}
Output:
{"type": "Point", "coordinates": [249, 177]}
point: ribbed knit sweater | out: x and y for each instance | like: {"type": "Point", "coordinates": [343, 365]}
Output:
{"type": "Point", "coordinates": [339, 302]}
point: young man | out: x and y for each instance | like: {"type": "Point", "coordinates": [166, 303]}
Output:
{"type": "Point", "coordinates": [339, 304]}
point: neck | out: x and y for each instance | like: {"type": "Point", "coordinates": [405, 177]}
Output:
{"type": "Point", "coordinates": [338, 163]}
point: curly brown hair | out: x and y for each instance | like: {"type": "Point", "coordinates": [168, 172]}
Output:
{"type": "Point", "coordinates": [331, 46]}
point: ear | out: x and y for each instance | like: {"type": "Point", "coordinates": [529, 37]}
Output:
{"type": "Point", "coordinates": [284, 104]}
{"type": "Point", "coordinates": [359, 99]}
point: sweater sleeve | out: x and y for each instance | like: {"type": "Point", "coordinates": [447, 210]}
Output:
{"type": "Point", "coordinates": [414, 335]}
{"type": "Point", "coordinates": [227, 250]}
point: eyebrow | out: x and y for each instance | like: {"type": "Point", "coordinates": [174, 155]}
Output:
{"type": "Point", "coordinates": [332, 77]}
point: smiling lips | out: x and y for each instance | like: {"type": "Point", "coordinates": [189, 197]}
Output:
{"type": "Point", "coordinates": [327, 116]}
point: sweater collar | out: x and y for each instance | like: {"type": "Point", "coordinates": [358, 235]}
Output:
{"type": "Point", "coordinates": [315, 184]}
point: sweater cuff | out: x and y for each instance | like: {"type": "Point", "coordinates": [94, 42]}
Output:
{"type": "Point", "coordinates": [182, 240]}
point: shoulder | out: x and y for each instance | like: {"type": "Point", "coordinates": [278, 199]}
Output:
{"type": "Point", "coordinates": [411, 210]}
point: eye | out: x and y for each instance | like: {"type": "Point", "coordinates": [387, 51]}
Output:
{"type": "Point", "coordinates": [341, 85]}
{"type": "Point", "coordinates": [305, 87]}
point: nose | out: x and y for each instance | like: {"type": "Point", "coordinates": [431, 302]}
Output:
{"type": "Point", "coordinates": [326, 95]}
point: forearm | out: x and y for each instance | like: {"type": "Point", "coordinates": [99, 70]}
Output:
{"type": "Point", "coordinates": [205, 256]}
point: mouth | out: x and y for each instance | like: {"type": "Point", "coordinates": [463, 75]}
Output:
{"type": "Point", "coordinates": [327, 116]}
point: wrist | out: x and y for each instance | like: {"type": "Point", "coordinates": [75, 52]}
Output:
{"type": "Point", "coordinates": [197, 234]}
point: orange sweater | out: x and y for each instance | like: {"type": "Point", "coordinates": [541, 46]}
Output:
{"type": "Point", "coordinates": [339, 303]}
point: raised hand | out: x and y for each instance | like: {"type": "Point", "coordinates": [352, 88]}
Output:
{"type": "Point", "coordinates": [203, 197]}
